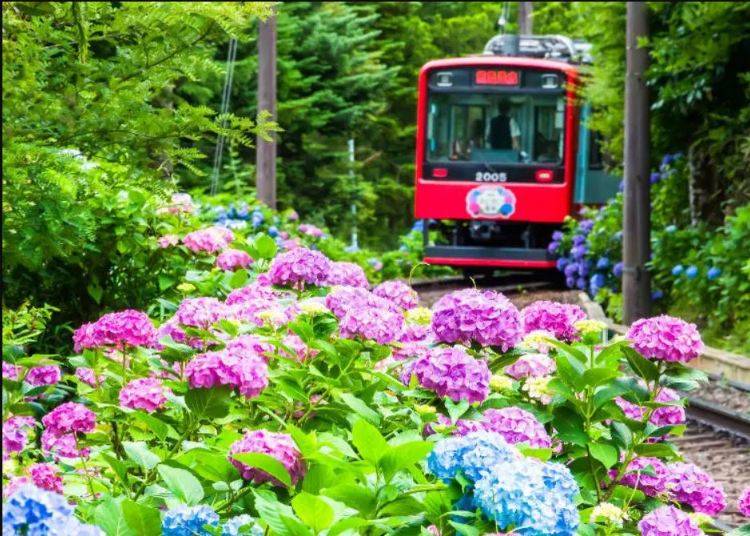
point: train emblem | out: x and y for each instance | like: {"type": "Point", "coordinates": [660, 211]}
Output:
{"type": "Point", "coordinates": [490, 202]}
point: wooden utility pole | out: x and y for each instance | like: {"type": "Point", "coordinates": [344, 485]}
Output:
{"type": "Point", "coordinates": [265, 151]}
{"type": "Point", "coordinates": [525, 22]}
{"type": "Point", "coordinates": [636, 284]}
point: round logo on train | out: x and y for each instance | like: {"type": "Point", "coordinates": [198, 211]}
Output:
{"type": "Point", "coordinates": [490, 202]}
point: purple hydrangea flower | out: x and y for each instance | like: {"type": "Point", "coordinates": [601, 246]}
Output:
{"type": "Point", "coordinates": [144, 393]}
{"type": "Point", "coordinates": [252, 291]}
{"type": "Point", "coordinates": [231, 259]}
{"type": "Point", "coordinates": [299, 267]}
{"type": "Point", "coordinates": [471, 315]}
{"type": "Point", "coordinates": [531, 366]}
{"type": "Point", "coordinates": [689, 484]}
{"type": "Point", "coordinates": [44, 375]}
{"type": "Point", "coordinates": [123, 329]}
{"type": "Point", "coordinates": [743, 503]}
{"type": "Point", "coordinates": [665, 338]}
{"type": "Point", "coordinates": [70, 417]}
{"type": "Point", "coordinates": [210, 240]}
{"type": "Point", "coordinates": [556, 318]}
{"type": "Point", "coordinates": [16, 433]}
{"type": "Point", "coordinates": [646, 474]}
{"type": "Point", "coordinates": [347, 274]}
{"type": "Point", "coordinates": [617, 269]}
{"type": "Point", "coordinates": [398, 293]}
{"type": "Point", "coordinates": [200, 312]}
{"type": "Point", "coordinates": [668, 521]}
{"type": "Point", "coordinates": [246, 372]}
{"type": "Point", "coordinates": [278, 445]}
{"type": "Point", "coordinates": [454, 374]}
{"type": "Point", "coordinates": [363, 314]}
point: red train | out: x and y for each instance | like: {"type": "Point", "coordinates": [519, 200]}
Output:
{"type": "Point", "coordinates": [504, 153]}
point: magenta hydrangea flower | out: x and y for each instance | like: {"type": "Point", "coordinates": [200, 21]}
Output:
{"type": "Point", "coordinates": [362, 314]}
{"type": "Point", "coordinates": [471, 315]}
{"type": "Point", "coordinates": [44, 375]}
{"type": "Point", "coordinates": [250, 346]}
{"type": "Point", "coordinates": [253, 291]}
{"type": "Point", "coordinates": [688, 484]}
{"type": "Point", "coordinates": [11, 371]}
{"type": "Point", "coordinates": [646, 474]}
{"type": "Point", "coordinates": [231, 259]}
{"type": "Point", "coordinates": [168, 240]}
{"type": "Point", "coordinates": [247, 373]}
{"type": "Point", "coordinates": [250, 310]}
{"type": "Point", "coordinates": [88, 376]}
{"type": "Point", "coordinates": [209, 240]}
{"type": "Point", "coordinates": [62, 445]}
{"type": "Point", "coordinates": [556, 318]}
{"type": "Point", "coordinates": [123, 329]}
{"type": "Point", "coordinates": [531, 366]}
{"type": "Point", "coordinates": [398, 292]}
{"type": "Point", "coordinates": [668, 521]}
{"type": "Point", "coordinates": [516, 425]}
{"type": "Point", "coordinates": [70, 417]}
{"type": "Point", "coordinates": [16, 434]}
{"type": "Point", "coordinates": [347, 274]}
{"type": "Point", "coordinates": [46, 476]}
{"type": "Point", "coordinates": [298, 267]}
{"type": "Point", "coordinates": [200, 312]}
{"type": "Point", "coordinates": [454, 374]}
{"type": "Point", "coordinates": [310, 230]}
{"type": "Point", "coordinates": [147, 394]}
{"type": "Point", "coordinates": [743, 503]}
{"type": "Point", "coordinates": [665, 338]}
{"type": "Point", "coordinates": [278, 445]}
{"type": "Point", "coordinates": [291, 243]}
{"type": "Point", "coordinates": [297, 348]}
{"type": "Point", "coordinates": [662, 416]}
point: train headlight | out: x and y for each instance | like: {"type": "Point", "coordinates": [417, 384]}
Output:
{"type": "Point", "coordinates": [544, 175]}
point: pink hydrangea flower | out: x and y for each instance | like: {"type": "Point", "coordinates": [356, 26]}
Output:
{"type": "Point", "coordinates": [398, 292]}
{"type": "Point", "coordinates": [556, 318]}
{"type": "Point", "coordinates": [44, 375]}
{"type": "Point", "coordinates": [362, 314]}
{"type": "Point", "coordinates": [292, 216]}
{"type": "Point", "coordinates": [278, 445]}
{"type": "Point", "coordinates": [299, 350]}
{"type": "Point", "coordinates": [250, 346]}
{"type": "Point", "coordinates": [688, 484]}
{"type": "Point", "coordinates": [128, 328]}
{"type": "Point", "coordinates": [247, 373]}
{"type": "Point", "coordinates": [454, 374]}
{"type": "Point", "coordinates": [292, 243]}
{"type": "Point", "coordinates": [231, 259]}
{"type": "Point", "coordinates": [348, 274]}
{"type": "Point", "coordinates": [662, 416]}
{"type": "Point", "coordinates": [471, 315]}
{"type": "Point", "coordinates": [531, 366]}
{"type": "Point", "coordinates": [70, 417]}
{"type": "Point", "coordinates": [62, 446]}
{"type": "Point", "coordinates": [743, 503]}
{"type": "Point", "coordinates": [668, 521]}
{"type": "Point", "coordinates": [310, 230]}
{"type": "Point", "coordinates": [665, 338]}
{"type": "Point", "coordinates": [516, 425]}
{"type": "Point", "coordinates": [180, 202]}
{"type": "Point", "coordinates": [299, 267]}
{"type": "Point", "coordinates": [88, 376]}
{"type": "Point", "coordinates": [200, 312]}
{"type": "Point", "coordinates": [147, 394]}
{"type": "Point", "coordinates": [210, 240]}
{"type": "Point", "coordinates": [249, 310]}
{"type": "Point", "coordinates": [10, 371]}
{"type": "Point", "coordinates": [646, 474]}
{"type": "Point", "coordinates": [254, 290]}
{"type": "Point", "coordinates": [16, 434]}
{"type": "Point", "coordinates": [14, 484]}
{"type": "Point", "coordinates": [46, 476]}
{"type": "Point", "coordinates": [168, 240]}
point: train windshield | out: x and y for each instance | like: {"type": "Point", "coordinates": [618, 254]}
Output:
{"type": "Point", "coordinates": [496, 128]}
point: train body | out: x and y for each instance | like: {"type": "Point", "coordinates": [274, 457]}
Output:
{"type": "Point", "coordinates": [503, 154]}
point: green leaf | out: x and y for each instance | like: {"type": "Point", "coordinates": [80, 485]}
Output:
{"type": "Point", "coordinates": [109, 517]}
{"type": "Point", "coordinates": [368, 441]}
{"type": "Point", "coordinates": [657, 450]}
{"type": "Point", "coordinates": [360, 408]}
{"type": "Point", "coordinates": [140, 454]}
{"type": "Point", "coordinates": [271, 511]}
{"type": "Point", "coordinates": [118, 467]}
{"type": "Point", "coordinates": [543, 454]}
{"type": "Point", "coordinates": [355, 496]}
{"type": "Point", "coordinates": [264, 246]}
{"type": "Point", "coordinates": [465, 530]}
{"type": "Point", "coordinates": [144, 520]}
{"type": "Point", "coordinates": [569, 426]}
{"type": "Point", "coordinates": [621, 434]}
{"type": "Point", "coordinates": [266, 463]}
{"type": "Point", "coordinates": [640, 365]}
{"type": "Point", "coordinates": [154, 424]}
{"type": "Point", "coordinates": [597, 376]}
{"type": "Point", "coordinates": [181, 483]}
{"type": "Point", "coordinates": [313, 511]}
{"type": "Point", "coordinates": [569, 370]}
{"type": "Point", "coordinates": [209, 403]}
{"type": "Point", "coordinates": [606, 454]}
{"type": "Point", "coordinates": [95, 291]}
{"type": "Point", "coordinates": [403, 456]}
{"type": "Point", "coordinates": [456, 409]}
{"type": "Point", "coordinates": [209, 465]}
{"type": "Point", "coordinates": [238, 279]}
{"type": "Point", "coordinates": [607, 393]}
{"type": "Point", "coordinates": [348, 525]}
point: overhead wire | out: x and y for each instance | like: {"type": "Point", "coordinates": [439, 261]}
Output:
{"type": "Point", "coordinates": [223, 114]}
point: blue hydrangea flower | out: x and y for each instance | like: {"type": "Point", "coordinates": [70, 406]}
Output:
{"type": "Point", "coordinates": [243, 524]}
{"type": "Point", "coordinates": [32, 509]}
{"type": "Point", "coordinates": [654, 178]}
{"type": "Point", "coordinates": [64, 525]}
{"type": "Point", "coordinates": [584, 267]}
{"type": "Point", "coordinates": [713, 273]}
{"type": "Point", "coordinates": [418, 226]}
{"type": "Point", "coordinates": [586, 225]}
{"type": "Point", "coordinates": [552, 247]}
{"type": "Point", "coordinates": [602, 263]}
{"type": "Point", "coordinates": [621, 186]}
{"type": "Point", "coordinates": [557, 236]}
{"type": "Point", "coordinates": [596, 282]}
{"type": "Point", "coordinates": [562, 262]}
{"type": "Point", "coordinates": [657, 295]}
{"type": "Point", "coordinates": [570, 282]}
{"type": "Point", "coordinates": [273, 231]}
{"type": "Point", "coordinates": [691, 272]}
{"type": "Point", "coordinates": [667, 160]}
{"type": "Point", "coordinates": [242, 212]}
{"type": "Point", "coordinates": [677, 270]}
{"type": "Point", "coordinates": [189, 521]}
{"type": "Point", "coordinates": [534, 498]}
{"type": "Point", "coordinates": [617, 269]}
{"type": "Point", "coordinates": [578, 240]}
{"type": "Point", "coordinates": [571, 269]}
{"type": "Point", "coordinates": [257, 218]}
{"type": "Point", "coordinates": [471, 455]}
{"type": "Point", "coordinates": [581, 283]}
{"type": "Point", "coordinates": [577, 252]}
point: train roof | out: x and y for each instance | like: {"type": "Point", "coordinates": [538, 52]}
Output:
{"type": "Point", "coordinates": [481, 60]}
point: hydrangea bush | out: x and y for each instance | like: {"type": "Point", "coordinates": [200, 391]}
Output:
{"type": "Point", "coordinates": [289, 396]}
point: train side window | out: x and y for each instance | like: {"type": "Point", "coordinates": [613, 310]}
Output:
{"type": "Point", "coordinates": [596, 158]}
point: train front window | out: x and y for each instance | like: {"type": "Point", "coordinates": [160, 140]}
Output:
{"type": "Point", "coordinates": [496, 128]}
